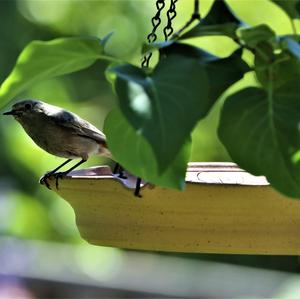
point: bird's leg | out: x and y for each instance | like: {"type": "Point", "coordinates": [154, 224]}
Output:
{"type": "Point", "coordinates": [121, 173]}
{"type": "Point", "coordinates": [64, 173]}
{"type": "Point", "coordinates": [116, 168]}
{"type": "Point", "coordinates": [59, 167]}
{"type": "Point", "coordinates": [43, 179]}
{"type": "Point", "coordinates": [138, 187]}
{"type": "Point", "coordinates": [120, 170]}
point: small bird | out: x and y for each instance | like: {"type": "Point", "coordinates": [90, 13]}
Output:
{"type": "Point", "coordinates": [60, 133]}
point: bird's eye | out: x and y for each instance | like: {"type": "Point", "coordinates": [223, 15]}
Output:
{"type": "Point", "coordinates": [27, 106]}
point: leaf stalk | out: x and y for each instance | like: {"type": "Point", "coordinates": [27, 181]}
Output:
{"type": "Point", "coordinates": [195, 16]}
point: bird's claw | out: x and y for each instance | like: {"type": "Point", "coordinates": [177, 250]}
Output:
{"type": "Point", "coordinates": [45, 177]}
{"type": "Point", "coordinates": [44, 180]}
{"type": "Point", "coordinates": [122, 175]}
{"type": "Point", "coordinates": [59, 175]}
{"type": "Point", "coordinates": [118, 169]}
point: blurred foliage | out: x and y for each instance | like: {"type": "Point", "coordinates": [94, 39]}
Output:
{"type": "Point", "coordinates": [28, 210]}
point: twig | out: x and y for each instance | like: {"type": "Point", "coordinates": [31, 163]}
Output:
{"type": "Point", "coordinates": [195, 16]}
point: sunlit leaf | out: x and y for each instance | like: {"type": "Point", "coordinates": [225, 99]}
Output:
{"type": "Point", "coordinates": [135, 154]}
{"type": "Point", "coordinates": [291, 7]}
{"type": "Point", "coordinates": [42, 60]}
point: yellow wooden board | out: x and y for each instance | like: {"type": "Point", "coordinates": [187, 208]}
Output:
{"type": "Point", "coordinates": [222, 210]}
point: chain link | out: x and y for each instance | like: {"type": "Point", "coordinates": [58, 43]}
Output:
{"type": "Point", "coordinates": [171, 14]}
{"type": "Point", "coordinates": [160, 4]}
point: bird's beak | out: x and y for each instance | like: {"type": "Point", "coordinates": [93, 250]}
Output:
{"type": "Point", "coordinates": [12, 112]}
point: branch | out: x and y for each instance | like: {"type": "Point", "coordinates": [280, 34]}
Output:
{"type": "Point", "coordinates": [195, 16]}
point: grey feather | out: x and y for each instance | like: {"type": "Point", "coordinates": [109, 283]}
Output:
{"type": "Point", "coordinates": [76, 124]}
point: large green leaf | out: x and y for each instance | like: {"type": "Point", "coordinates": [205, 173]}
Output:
{"type": "Point", "coordinates": [219, 21]}
{"type": "Point", "coordinates": [221, 72]}
{"type": "Point", "coordinates": [134, 153]}
{"type": "Point", "coordinates": [291, 7]}
{"type": "Point", "coordinates": [260, 129]}
{"type": "Point", "coordinates": [165, 105]}
{"type": "Point", "coordinates": [46, 59]}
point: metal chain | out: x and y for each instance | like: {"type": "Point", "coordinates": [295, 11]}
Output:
{"type": "Point", "coordinates": [160, 4]}
{"type": "Point", "coordinates": [171, 14]}
{"type": "Point", "coordinates": [168, 30]}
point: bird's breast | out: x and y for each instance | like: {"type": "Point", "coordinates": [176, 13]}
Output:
{"type": "Point", "coordinates": [60, 141]}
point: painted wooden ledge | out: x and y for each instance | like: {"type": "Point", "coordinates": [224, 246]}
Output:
{"type": "Point", "coordinates": [222, 210]}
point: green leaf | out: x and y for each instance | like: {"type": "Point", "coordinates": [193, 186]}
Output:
{"type": "Point", "coordinates": [42, 60]}
{"type": "Point", "coordinates": [182, 88]}
{"type": "Point", "coordinates": [211, 30]}
{"type": "Point", "coordinates": [135, 154]}
{"type": "Point", "coordinates": [284, 69]}
{"type": "Point", "coordinates": [262, 40]}
{"type": "Point", "coordinates": [164, 106]}
{"type": "Point", "coordinates": [219, 21]}
{"type": "Point", "coordinates": [260, 129]}
{"type": "Point", "coordinates": [255, 36]}
{"type": "Point", "coordinates": [291, 7]}
{"type": "Point", "coordinates": [222, 72]}
{"type": "Point", "coordinates": [285, 64]}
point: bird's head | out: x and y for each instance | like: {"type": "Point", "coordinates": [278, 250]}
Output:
{"type": "Point", "coordinates": [24, 108]}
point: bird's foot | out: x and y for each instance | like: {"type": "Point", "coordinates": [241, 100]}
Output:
{"type": "Point", "coordinates": [116, 168]}
{"type": "Point", "coordinates": [122, 175]}
{"type": "Point", "coordinates": [44, 179]}
{"type": "Point", "coordinates": [137, 194]}
{"type": "Point", "coordinates": [119, 169]}
{"type": "Point", "coordinates": [59, 175]}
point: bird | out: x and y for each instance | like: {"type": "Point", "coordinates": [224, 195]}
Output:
{"type": "Point", "coordinates": [60, 133]}
{"type": "Point", "coordinates": [63, 134]}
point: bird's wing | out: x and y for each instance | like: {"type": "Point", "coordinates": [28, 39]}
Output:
{"type": "Point", "coordinates": [77, 125]}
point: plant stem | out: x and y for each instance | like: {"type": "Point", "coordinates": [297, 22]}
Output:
{"type": "Point", "coordinates": [195, 16]}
